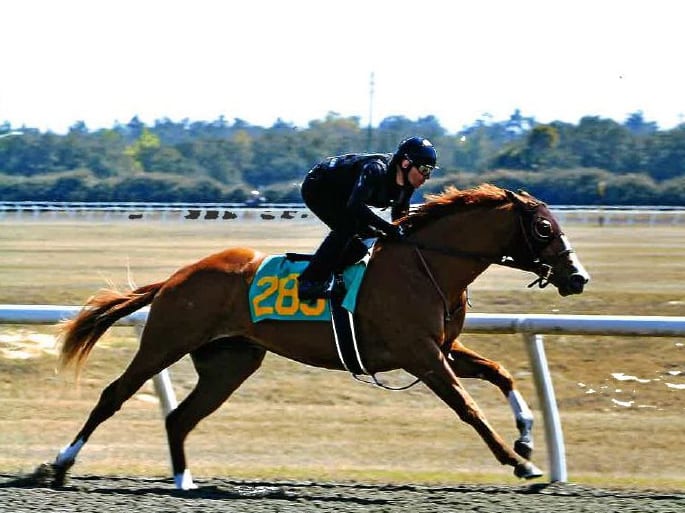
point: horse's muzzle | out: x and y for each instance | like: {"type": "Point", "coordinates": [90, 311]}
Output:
{"type": "Point", "coordinates": [576, 283]}
{"type": "Point", "coordinates": [575, 280]}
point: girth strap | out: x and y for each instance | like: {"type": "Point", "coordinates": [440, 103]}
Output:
{"type": "Point", "coordinates": [345, 338]}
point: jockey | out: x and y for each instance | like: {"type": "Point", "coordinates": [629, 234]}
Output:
{"type": "Point", "coordinates": [339, 190]}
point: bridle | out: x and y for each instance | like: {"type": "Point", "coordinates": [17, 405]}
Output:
{"type": "Point", "coordinates": [538, 233]}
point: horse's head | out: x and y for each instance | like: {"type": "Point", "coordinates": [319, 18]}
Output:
{"type": "Point", "coordinates": [530, 239]}
{"type": "Point", "coordinates": [543, 248]}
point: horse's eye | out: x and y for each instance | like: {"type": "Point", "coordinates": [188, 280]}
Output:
{"type": "Point", "coordinates": [543, 228]}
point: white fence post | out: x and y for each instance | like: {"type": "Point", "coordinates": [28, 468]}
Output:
{"type": "Point", "coordinates": [165, 392]}
{"type": "Point", "coordinates": [554, 436]}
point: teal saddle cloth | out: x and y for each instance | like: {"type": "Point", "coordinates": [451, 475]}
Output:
{"type": "Point", "coordinates": [273, 291]}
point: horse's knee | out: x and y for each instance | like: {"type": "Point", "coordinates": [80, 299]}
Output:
{"type": "Point", "coordinates": [467, 364]}
{"type": "Point", "coordinates": [500, 377]}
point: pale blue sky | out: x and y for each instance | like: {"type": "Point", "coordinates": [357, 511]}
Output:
{"type": "Point", "coordinates": [103, 61]}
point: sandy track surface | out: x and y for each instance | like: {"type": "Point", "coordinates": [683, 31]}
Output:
{"type": "Point", "coordinates": [91, 494]}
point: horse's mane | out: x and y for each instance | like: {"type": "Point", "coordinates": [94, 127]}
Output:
{"type": "Point", "coordinates": [453, 200]}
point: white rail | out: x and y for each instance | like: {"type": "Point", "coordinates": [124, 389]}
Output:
{"type": "Point", "coordinates": [531, 326]}
{"type": "Point", "coordinates": [155, 211]}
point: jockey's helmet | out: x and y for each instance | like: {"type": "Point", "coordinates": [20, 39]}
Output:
{"type": "Point", "coordinates": [419, 150]}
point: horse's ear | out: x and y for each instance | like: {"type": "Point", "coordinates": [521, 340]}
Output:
{"type": "Point", "coordinates": [513, 196]}
{"type": "Point", "coordinates": [518, 198]}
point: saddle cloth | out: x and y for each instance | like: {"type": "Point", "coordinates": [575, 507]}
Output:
{"type": "Point", "coordinates": [273, 292]}
{"type": "Point", "coordinates": [273, 296]}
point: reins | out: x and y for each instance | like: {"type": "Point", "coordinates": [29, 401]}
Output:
{"type": "Point", "coordinates": [486, 259]}
{"type": "Point", "coordinates": [445, 303]}
{"type": "Point", "coordinates": [383, 385]}
{"type": "Point", "coordinates": [544, 272]}
{"type": "Point", "coordinates": [448, 315]}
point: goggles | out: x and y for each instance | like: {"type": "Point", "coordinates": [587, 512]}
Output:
{"type": "Point", "coordinates": [425, 170]}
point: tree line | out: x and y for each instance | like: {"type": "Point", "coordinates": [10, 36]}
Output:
{"type": "Point", "coordinates": [596, 161]}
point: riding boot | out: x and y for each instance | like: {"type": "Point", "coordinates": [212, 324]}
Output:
{"type": "Point", "coordinates": [315, 280]}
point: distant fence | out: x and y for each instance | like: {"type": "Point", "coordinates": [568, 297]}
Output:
{"type": "Point", "coordinates": [142, 211]}
{"type": "Point", "coordinates": [531, 326]}
{"type": "Point", "coordinates": [136, 211]}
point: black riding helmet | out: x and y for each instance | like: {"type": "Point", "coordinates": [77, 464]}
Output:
{"type": "Point", "coordinates": [419, 150]}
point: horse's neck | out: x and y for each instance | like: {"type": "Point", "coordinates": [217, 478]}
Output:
{"type": "Point", "coordinates": [465, 243]}
{"type": "Point", "coordinates": [481, 231]}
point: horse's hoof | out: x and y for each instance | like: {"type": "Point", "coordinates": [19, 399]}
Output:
{"type": "Point", "coordinates": [42, 476]}
{"type": "Point", "coordinates": [527, 470]}
{"type": "Point", "coordinates": [49, 475]}
{"type": "Point", "coordinates": [60, 474]}
{"type": "Point", "coordinates": [523, 449]}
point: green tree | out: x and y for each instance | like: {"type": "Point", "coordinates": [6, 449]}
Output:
{"type": "Point", "coordinates": [602, 143]}
{"type": "Point", "coordinates": [665, 154]}
{"type": "Point", "coordinates": [334, 135]}
{"type": "Point", "coordinates": [143, 149]}
{"type": "Point", "coordinates": [278, 157]}
{"type": "Point", "coordinates": [637, 125]}
{"type": "Point", "coordinates": [541, 140]}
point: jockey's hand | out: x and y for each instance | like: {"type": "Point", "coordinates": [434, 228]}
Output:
{"type": "Point", "coordinates": [396, 234]}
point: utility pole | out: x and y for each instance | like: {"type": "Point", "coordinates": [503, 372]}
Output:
{"type": "Point", "coordinates": [369, 135]}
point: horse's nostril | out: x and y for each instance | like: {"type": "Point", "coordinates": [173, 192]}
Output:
{"type": "Point", "coordinates": [577, 282]}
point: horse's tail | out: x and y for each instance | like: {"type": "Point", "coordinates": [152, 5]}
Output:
{"type": "Point", "coordinates": [79, 335]}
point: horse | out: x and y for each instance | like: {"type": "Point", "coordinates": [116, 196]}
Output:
{"type": "Point", "coordinates": [410, 311]}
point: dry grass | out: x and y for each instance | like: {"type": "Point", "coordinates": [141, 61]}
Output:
{"type": "Point", "coordinates": [292, 421]}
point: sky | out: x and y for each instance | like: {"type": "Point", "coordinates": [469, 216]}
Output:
{"type": "Point", "coordinates": [104, 61]}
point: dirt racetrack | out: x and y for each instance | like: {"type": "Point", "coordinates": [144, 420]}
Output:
{"type": "Point", "coordinates": [90, 494]}
{"type": "Point", "coordinates": [621, 398]}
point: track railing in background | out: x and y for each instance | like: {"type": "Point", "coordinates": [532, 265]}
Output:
{"type": "Point", "coordinates": [530, 326]}
{"type": "Point", "coordinates": [141, 211]}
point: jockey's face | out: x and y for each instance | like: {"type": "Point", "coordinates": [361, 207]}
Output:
{"type": "Point", "coordinates": [418, 176]}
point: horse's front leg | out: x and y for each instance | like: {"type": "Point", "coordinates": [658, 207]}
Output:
{"type": "Point", "coordinates": [466, 363]}
{"type": "Point", "coordinates": [440, 378]}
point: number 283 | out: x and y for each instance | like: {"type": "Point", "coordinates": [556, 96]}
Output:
{"type": "Point", "coordinates": [287, 302]}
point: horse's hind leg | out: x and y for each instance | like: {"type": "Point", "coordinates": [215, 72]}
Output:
{"type": "Point", "coordinates": [149, 360]}
{"type": "Point", "coordinates": [222, 366]}
{"type": "Point", "coordinates": [466, 363]}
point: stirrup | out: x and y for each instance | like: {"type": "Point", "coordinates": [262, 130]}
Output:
{"type": "Point", "coordinates": [338, 288]}
{"type": "Point", "coordinates": [308, 290]}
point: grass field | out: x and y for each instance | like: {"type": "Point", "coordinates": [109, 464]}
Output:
{"type": "Point", "coordinates": [292, 421]}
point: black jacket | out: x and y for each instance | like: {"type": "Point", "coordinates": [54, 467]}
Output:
{"type": "Point", "coordinates": [350, 183]}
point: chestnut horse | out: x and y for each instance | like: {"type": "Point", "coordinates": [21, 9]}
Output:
{"type": "Point", "coordinates": [410, 310]}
